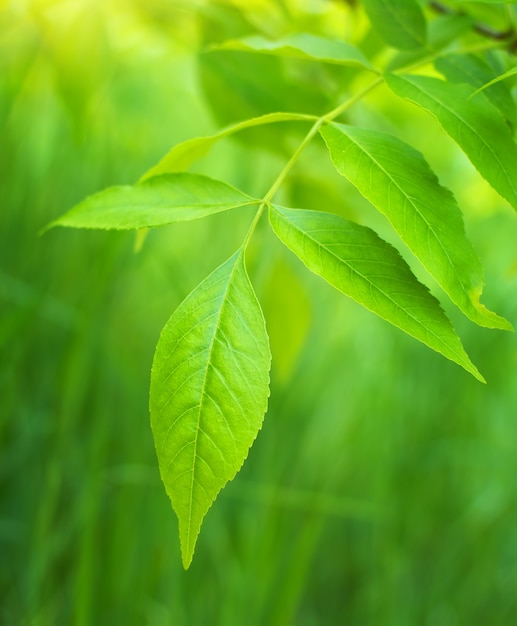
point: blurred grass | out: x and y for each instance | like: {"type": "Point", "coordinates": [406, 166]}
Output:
{"type": "Point", "coordinates": [381, 489]}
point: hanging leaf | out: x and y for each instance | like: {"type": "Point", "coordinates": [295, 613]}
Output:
{"type": "Point", "coordinates": [396, 179]}
{"type": "Point", "coordinates": [357, 262]}
{"type": "Point", "coordinates": [209, 391]}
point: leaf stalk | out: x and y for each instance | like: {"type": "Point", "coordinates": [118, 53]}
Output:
{"type": "Point", "coordinates": [324, 119]}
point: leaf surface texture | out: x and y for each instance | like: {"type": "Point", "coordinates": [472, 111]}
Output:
{"type": "Point", "coordinates": [397, 180]}
{"type": "Point", "coordinates": [400, 23]}
{"type": "Point", "coordinates": [209, 391]}
{"type": "Point", "coordinates": [475, 71]}
{"type": "Point", "coordinates": [155, 202]}
{"type": "Point", "coordinates": [302, 46]}
{"type": "Point", "coordinates": [357, 262]}
{"type": "Point", "coordinates": [476, 126]}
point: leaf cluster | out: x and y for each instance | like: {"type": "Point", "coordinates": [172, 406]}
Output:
{"type": "Point", "coordinates": [210, 376]}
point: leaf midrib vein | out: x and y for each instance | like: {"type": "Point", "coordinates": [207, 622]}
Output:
{"type": "Point", "coordinates": [181, 207]}
{"type": "Point", "coordinates": [372, 286]}
{"type": "Point", "coordinates": [431, 230]}
{"type": "Point", "coordinates": [469, 127]}
{"type": "Point", "coordinates": [203, 392]}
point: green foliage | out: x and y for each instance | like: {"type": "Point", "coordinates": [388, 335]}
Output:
{"type": "Point", "coordinates": [475, 125]}
{"type": "Point", "coordinates": [381, 487]}
{"type": "Point", "coordinates": [210, 376]}
{"type": "Point", "coordinates": [400, 23]}
{"type": "Point", "coordinates": [184, 154]}
{"type": "Point", "coordinates": [424, 214]}
{"type": "Point", "coordinates": [155, 202]}
{"type": "Point", "coordinates": [474, 70]}
{"type": "Point", "coordinates": [303, 46]}
{"type": "Point", "coordinates": [509, 74]}
{"type": "Point", "coordinates": [356, 261]}
{"type": "Point", "coordinates": [209, 391]}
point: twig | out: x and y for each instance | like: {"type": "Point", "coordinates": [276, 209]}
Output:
{"type": "Point", "coordinates": [481, 29]}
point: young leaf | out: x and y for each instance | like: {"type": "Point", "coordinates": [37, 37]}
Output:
{"type": "Point", "coordinates": [474, 70]}
{"type": "Point", "coordinates": [397, 180]}
{"type": "Point", "coordinates": [181, 156]}
{"type": "Point", "coordinates": [476, 126]}
{"type": "Point", "coordinates": [354, 260]}
{"type": "Point", "coordinates": [400, 23]}
{"type": "Point", "coordinates": [302, 46]}
{"type": "Point", "coordinates": [158, 201]}
{"type": "Point", "coordinates": [209, 391]}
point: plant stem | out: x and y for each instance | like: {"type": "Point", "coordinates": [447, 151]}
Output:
{"type": "Point", "coordinates": [281, 177]}
{"type": "Point", "coordinates": [331, 115]}
{"type": "Point", "coordinates": [328, 117]}
{"type": "Point", "coordinates": [481, 29]}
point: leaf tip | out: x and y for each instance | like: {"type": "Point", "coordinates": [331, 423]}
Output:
{"type": "Point", "coordinates": [491, 319]}
{"type": "Point", "coordinates": [189, 530]}
{"type": "Point", "coordinates": [186, 557]}
{"type": "Point", "coordinates": [477, 375]}
{"type": "Point", "coordinates": [469, 367]}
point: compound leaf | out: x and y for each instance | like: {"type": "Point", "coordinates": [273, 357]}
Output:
{"type": "Point", "coordinates": [474, 124]}
{"type": "Point", "coordinates": [357, 262]}
{"type": "Point", "coordinates": [209, 391]}
{"type": "Point", "coordinates": [155, 202]}
{"type": "Point", "coordinates": [302, 46]}
{"type": "Point", "coordinates": [401, 23]}
{"type": "Point", "coordinates": [397, 180]}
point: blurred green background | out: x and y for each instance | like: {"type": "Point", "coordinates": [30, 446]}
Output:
{"type": "Point", "coordinates": [382, 488]}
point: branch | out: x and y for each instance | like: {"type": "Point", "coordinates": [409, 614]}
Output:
{"type": "Point", "coordinates": [481, 29]}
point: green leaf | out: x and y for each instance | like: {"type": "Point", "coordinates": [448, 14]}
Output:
{"type": "Point", "coordinates": [181, 156]}
{"type": "Point", "coordinates": [474, 70]}
{"type": "Point", "coordinates": [401, 23]}
{"type": "Point", "coordinates": [302, 46]}
{"type": "Point", "coordinates": [238, 85]}
{"type": "Point", "coordinates": [209, 391]}
{"type": "Point", "coordinates": [397, 180]}
{"type": "Point", "coordinates": [511, 72]}
{"type": "Point", "coordinates": [158, 201]}
{"type": "Point", "coordinates": [442, 31]}
{"type": "Point", "coordinates": [357, 262]}
{"type": "Point", "coordinates": [476, 126]}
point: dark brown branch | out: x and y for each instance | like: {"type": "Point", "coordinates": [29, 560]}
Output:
{"type": "Point", "coordinates": [481, 29]}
